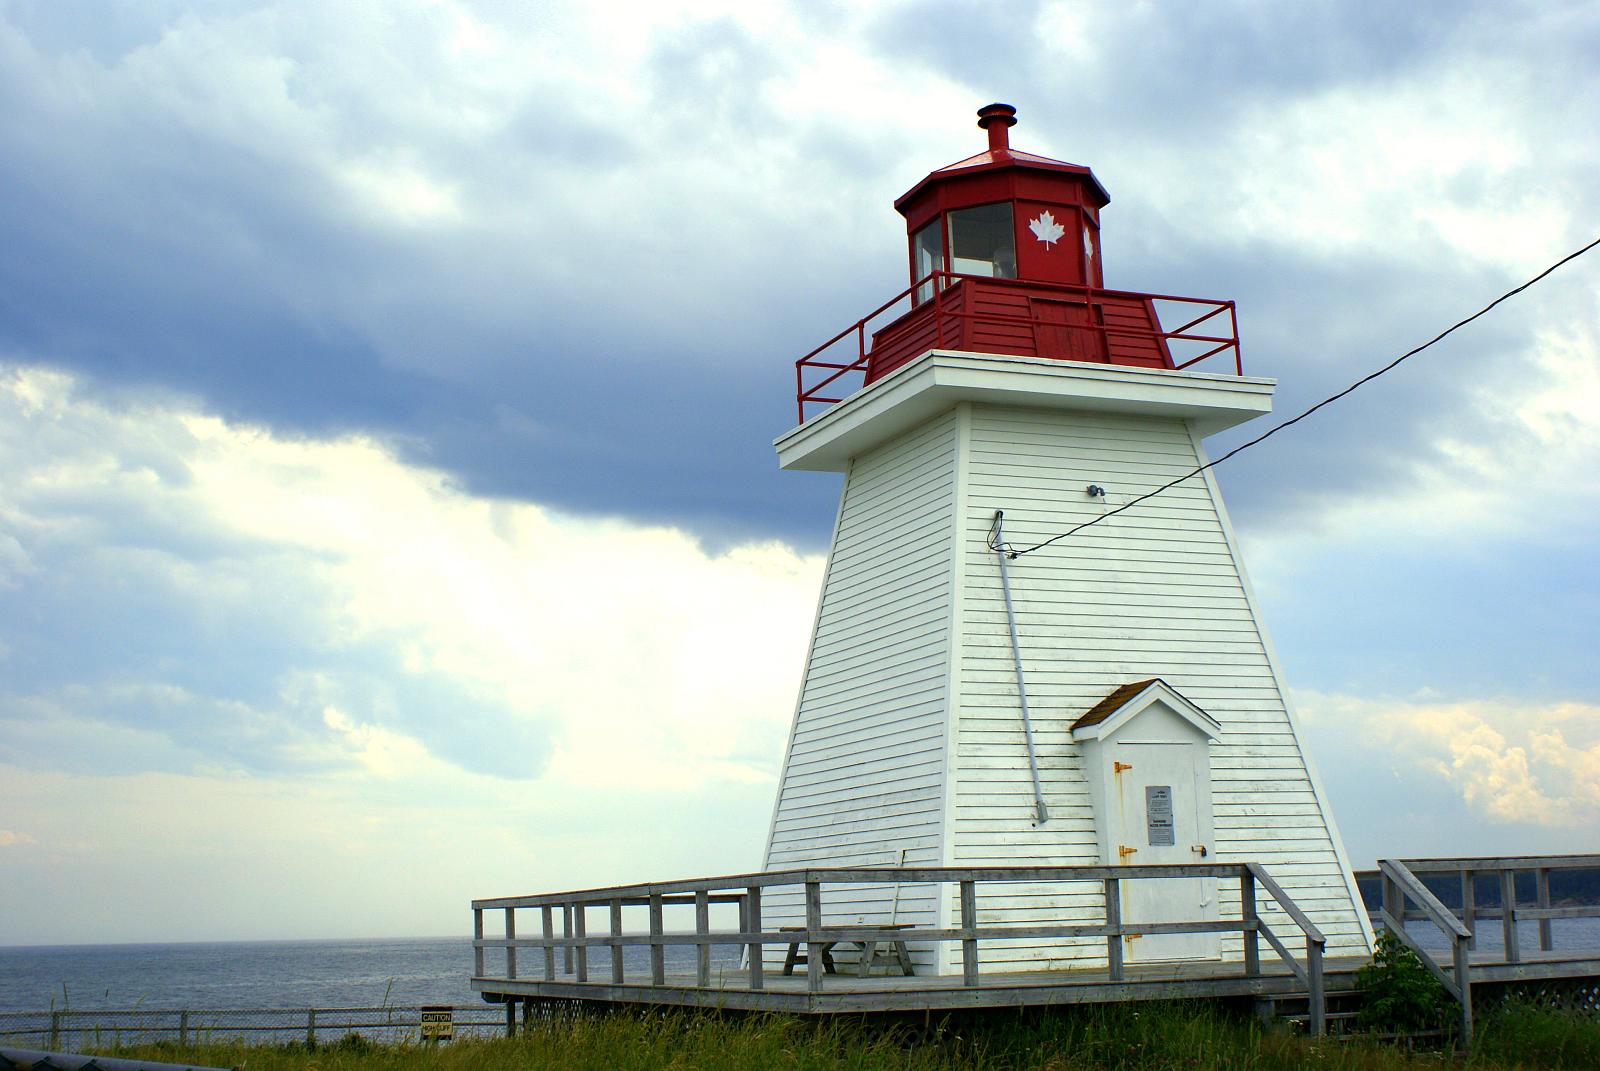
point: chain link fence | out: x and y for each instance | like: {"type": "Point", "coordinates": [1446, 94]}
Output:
{"type": "Point", "coordinates": [74, 1030]}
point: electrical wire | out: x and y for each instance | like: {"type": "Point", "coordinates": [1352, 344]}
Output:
{"type": "Point", "coordinates": [1016, 552]}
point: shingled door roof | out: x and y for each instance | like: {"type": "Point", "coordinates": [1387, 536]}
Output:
{"type": "Point", "coordinates": [1114, 702]}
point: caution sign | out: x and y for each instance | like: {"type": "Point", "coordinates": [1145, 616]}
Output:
{"type": "Point", "coordinates": [438, 1023]}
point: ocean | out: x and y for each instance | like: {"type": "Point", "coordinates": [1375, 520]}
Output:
{"type": "Point", "coordinates": [262, 974]}
{"type": "Point", "coordinates": [238, 974]}
{"type": "Point", "coordinates": [371, 973]}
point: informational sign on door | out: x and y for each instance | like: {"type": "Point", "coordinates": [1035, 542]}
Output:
{"type": "Point", "coordinates": [1158, 815]}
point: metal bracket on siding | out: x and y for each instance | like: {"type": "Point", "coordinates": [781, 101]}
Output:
{"type": "Point", "coordinates": [997, 544]}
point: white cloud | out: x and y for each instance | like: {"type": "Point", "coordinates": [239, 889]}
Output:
{"type": "Point", "coordinates": [662, 673]}
{"type": "Point", "coordinates": [1530, 481]}
{"type": "Point", "coordinates": [1508, 762]}
{"type": "Point", "coordinates": [649, 660]}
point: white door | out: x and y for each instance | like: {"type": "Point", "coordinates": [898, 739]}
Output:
{"type": "Point", "coordinates": [1162, 814]}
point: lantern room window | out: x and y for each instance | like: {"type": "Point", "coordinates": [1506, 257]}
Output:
{"type": "Point", "coordinates": [982, 242]}
{"type": "Point", "coordinates": [927, 252]}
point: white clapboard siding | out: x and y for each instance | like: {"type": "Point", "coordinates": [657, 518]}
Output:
{"type": "Point", "coordinates": [1154, 592]}
{"type": "Point", "coordinates": [864, 775]}
{"type": "Point", "coordinates": [907, 745]}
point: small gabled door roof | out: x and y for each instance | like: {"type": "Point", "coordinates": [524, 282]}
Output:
{"type": "Point", "coordinates": [1130, 700]}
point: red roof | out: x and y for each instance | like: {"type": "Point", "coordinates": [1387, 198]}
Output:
{"type": "Point", "coordinates": [995, 159]}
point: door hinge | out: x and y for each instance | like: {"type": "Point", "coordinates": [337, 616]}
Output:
{"type": "Point", "coordinates": [1118, 767]}
{"type": "Point", "coordinates": [1124, 851]}
{"type": "Point", "coordinates": [1132, 937]}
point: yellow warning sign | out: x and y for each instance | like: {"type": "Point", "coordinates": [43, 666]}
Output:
{"type": "Point", "coordinates": [438, 1023]}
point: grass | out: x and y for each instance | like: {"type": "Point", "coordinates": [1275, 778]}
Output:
{"type": "Point", "coordinates": [1149, 1037]}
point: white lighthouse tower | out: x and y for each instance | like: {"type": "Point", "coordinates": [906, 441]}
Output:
{"type": "Point", "coordinates": [1109, 698]}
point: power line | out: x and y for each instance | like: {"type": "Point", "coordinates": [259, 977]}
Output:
{"type": "Point", "coordinates": [1016, 552]}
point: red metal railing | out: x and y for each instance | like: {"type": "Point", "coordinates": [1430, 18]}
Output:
{"type": "Point", "coordinates": [818, 374]}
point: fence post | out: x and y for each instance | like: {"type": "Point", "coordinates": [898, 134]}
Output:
{"type": "Point", "coordinates": [549, 949]}
{"type": "Point", "coordinates": [580, 929]}
{"type": "Point", "coordinates": [566, 931]}
{"type": "Point", "coordinates": [702, 949]}
{"type": "Point", "coordinates": [477, 936]}
{"type": "Point", "coordinates": [183, 1029]}
{"type": "Point", "coordinates": [1469, 905]}
{"type": "Point", "coordinates": [1463, 973]}
{"type": "Point", "coordinates": [814, 952]}
{"type": "Point", "coordinates": [1508, 914]}
{"type": "Point", "coordinates": [969, 926]}
{"type": "Point", "coordinates": [311, 1028]}
{"type": "Point", "coordinates": [1542, 887]}
{"type": "Point", "coordinates": [1394, 903]}
{"type": "Point", "coordinates": [1318, 999]}
{"type": "Point", "coordinates": [1249, 916]}
{"type": "Point", "coordinates": [752, 920]}
{"type": "Point", "coordinates": [55, 1030]}
{"type": "Point", "coordinates": [658, 952]}
{"type": "Point", "coordinates": [511, 1017]}
{"type": "Point", "coordinates": [616, 949]}
{"type": "Point", "coordinates": [511, 935]}
{"type": "Point", "coordinates": [1113, 890]}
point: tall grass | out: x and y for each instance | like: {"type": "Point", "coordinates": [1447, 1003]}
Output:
{"type": "Point", "coordinates": [1147, 1037]}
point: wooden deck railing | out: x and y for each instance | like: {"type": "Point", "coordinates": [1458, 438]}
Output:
{"type": "Point", "coordinates": [1403, 886]}
{"type": "Point", "coordinates": [747, 891]}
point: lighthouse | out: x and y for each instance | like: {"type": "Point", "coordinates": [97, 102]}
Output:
{"type": "Point", "coordinates": [1109, 698]}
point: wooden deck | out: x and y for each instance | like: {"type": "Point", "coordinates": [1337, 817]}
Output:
{"type": "Point", "coordinates": [846, 992]}
{"type": "Point", "coordinates": [573, 964]}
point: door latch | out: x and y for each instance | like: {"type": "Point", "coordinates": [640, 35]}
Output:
{"type": "Point", "coordinates": [1199, 849]}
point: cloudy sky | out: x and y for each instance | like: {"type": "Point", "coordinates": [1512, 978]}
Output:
{"type": "Point", "coordinates": [386, 397]}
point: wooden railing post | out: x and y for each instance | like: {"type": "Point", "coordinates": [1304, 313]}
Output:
{"type": "Point", "coordinates": [1318, 998]}
{"type": "Point", "coordinates": [702, 948]}
{"type": "Point", "coordinates": [658, 951]}
{"type": "Point", "coordinates": [511, 935]}
{"type": "Point", "coordinates": [477, 946]}
{"type": "Point", "coordinates": [753, 924]}
{"type": "Point", "coordinates": [183, 1029]}
{"type": "Point", "coordinates": [1508, 914]}
{"type": "Point", "coordinates": [1248, 915]}
{"type": "Point", "coordinates": [1113, 891]}
{"type": "Point", "coordinates": [1469, 905]}
{"type": "Point", "coordinates": [616, 947]}
{"type": "Point", "coordinates": [1541, 879]}
{"type": "Point", "coordinates": [580, 929]}
{"type": "Point", "coordinates": [566, 931]}
{"type": "Point", "coordinates": [549, 949]}
{"type": "Point", "coordinates": [1462, 969]}
{"type": "Point", "coordinates": [969, 926]}
{"type": "Point", "coordinates": [814, 961]}
{"type": "Point", "coordinates": [1394, 904]}
{"type": "Point", "coordinates": [311, 1028]}
{"type": "Point", "coordinates": [511, 1017]}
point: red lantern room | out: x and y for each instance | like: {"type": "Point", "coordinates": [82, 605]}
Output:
{"type": "Point", "coordinates": [1005, 214]}
{"type": "Point", "coordinates": [1004, 258]}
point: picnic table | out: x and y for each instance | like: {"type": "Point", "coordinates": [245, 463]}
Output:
{"type": "Point", "coordinates": [872, 949]}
